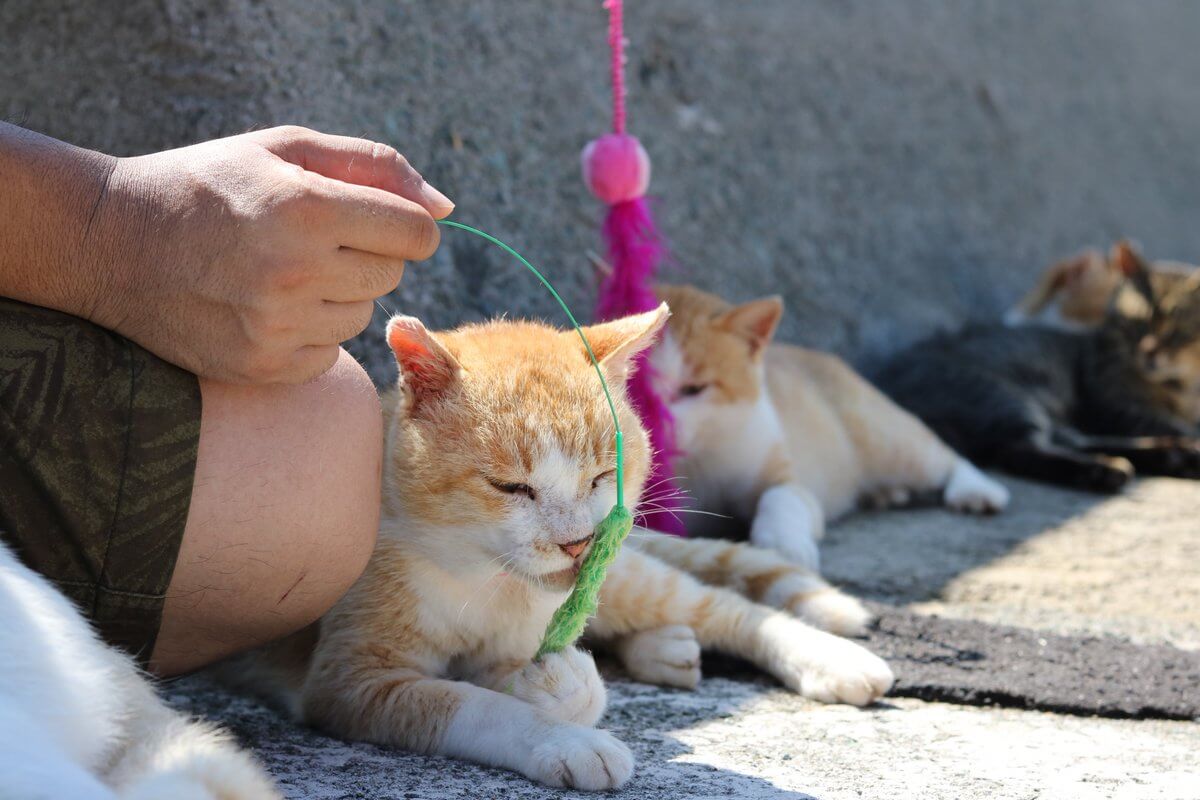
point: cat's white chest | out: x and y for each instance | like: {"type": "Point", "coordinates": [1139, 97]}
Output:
{"type": "Point", "coordinates": [495, 619]}
{"type": "Point", "coordinates": [726, 453]}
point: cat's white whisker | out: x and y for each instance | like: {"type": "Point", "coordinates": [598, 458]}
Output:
{"type": "Point", "coordinates": [667, 510]}
{"type": "Point", "coordinates": [508, 562]}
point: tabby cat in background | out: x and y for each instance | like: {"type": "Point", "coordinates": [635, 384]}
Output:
{"type": "Point", "coordinates": [1082, 409]}
{"type": "Point", "coordinates": [785, 438]}
{"type": "Point", "coordinates": [1075, 294]}
{"type": "Point", "coordinates": [499, 463]}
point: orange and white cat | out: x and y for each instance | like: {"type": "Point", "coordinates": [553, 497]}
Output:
{"type": "Point", "coordinates": [786, 438]}
{"type": "Point", "coordinates": [499, 463]}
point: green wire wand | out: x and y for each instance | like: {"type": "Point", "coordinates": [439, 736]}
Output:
{"type": "Point", "coordinates": [570, 619]}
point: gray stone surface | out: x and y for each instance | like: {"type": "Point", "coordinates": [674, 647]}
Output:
{"type": "Point", "coordinates": [888, 167]}
{"type": "Point", "coordinates": [740, 735]}
{"type": "Point", "coordinates": [964, 661]}
{"type": "Point", "coordinates": [744, 738]}
{"type": "Point", "coordinates": [1056, 560]}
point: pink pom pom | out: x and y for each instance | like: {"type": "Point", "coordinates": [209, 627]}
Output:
{"type": "Point", "coordinates": [616, 168]}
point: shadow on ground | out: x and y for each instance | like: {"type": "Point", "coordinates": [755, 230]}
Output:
{"type": "Point", "coordinates": [908, 555]}
{"type": "Point", "coordinates": [309, 765]}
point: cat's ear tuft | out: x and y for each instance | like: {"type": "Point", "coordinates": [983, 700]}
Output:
{"type": "Point", "coordinates": [1127, 260]}
{"type": "Point", "coordinates": [427, 369]}
{"type": "Point", "coordinates": [1130, 263]}
{"type": "Point", "coordinates": [616, 343]}
{"type": "Point", "coordinates": [756, 321]}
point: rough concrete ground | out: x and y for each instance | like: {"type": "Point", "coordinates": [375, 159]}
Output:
{"type": "Point", "coordinates": [748, 739]}
{"type": "Point", "coordinates": [963, 661]}
{"type": "Point", "coordinates": [1056, 560]}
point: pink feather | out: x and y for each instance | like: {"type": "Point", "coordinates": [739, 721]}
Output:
{"type": "Point", "coordinates": [635, 249]}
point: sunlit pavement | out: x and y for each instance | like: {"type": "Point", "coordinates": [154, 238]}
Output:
{"type": "Point", "coordinates": [1060, 562]}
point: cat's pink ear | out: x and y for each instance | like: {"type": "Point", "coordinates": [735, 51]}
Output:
{"type": "Point", "coordinates": [1130, 263]}
{"type": "Point", "coordinates": [756, 321]}
{"type": "Point", "coordinates": [426, 368]}
{"type": "Point", "coordinates": [615, 343]}
{"type": "Point", "coordinates": [1127, 260]}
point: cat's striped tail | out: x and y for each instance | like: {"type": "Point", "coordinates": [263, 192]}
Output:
{"type": "Point", "coordinates": [762, 576]}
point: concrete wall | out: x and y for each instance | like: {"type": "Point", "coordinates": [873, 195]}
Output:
{"type": "Point", "coordinates": [890, 167]}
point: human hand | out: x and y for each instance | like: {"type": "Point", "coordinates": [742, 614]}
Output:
{"type": "Point", "coordinates": [249, 259]}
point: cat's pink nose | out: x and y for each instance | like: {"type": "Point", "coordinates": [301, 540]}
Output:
{"type": "Point", "coordinates": [573, 549]}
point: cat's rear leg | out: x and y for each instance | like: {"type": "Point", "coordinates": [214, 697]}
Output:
{"type": "Point", "coordinates": [763, 576]}
{"type": "Point", "coordinates": [1172, 456]}
{"type": "Point", "coordinates": [642, 593]}
{"type": "Point", "coordinates": [903, 459]}
{"type": "Point", "coordinates": [1064, 466]}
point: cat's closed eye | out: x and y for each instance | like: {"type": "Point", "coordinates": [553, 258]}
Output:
{"type": "Point", "coordinates": [1172, 384]}
{"type": "Point", "coordinates": [692, 389]}
{"type": "Point", "coordinates": [513, 488]}
{"type": "Point", "coordinates": [606, 474]}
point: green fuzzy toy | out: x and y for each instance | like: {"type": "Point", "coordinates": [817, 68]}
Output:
{"type": "Point", "coordinates": [572, 617]}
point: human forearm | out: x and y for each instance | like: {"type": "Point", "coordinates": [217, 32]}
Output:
{"type": "Point", "coordinates": [50, 253]}
{"type": "Point", "coordinates": [245, 259]}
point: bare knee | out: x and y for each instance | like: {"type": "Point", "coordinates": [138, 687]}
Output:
{"type": "Point", "coordinates": [285, 509]}
{"type": "Point", "coordinates": [343, 508]}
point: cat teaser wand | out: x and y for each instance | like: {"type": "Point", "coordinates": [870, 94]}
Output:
{"type": "Point", "coordinates": [568, 622]}
{"type": "Point", "coordinates": [617, 170]}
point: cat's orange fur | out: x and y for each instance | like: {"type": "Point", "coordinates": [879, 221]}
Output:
{"type": "Point", "coordinates": [499, 461]}
{"type": "Point", "coordinates": [786, 438]}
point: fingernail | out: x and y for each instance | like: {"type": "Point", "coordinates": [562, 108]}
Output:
{"type": "Point", "coordinates": [436, 198]}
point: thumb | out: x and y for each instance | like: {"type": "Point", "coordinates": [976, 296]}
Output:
{"type": "Point", "coordinates": [357, 161]}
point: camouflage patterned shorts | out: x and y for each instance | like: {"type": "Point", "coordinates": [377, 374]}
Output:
{"type": "Point", "coordinates": [98, 442]}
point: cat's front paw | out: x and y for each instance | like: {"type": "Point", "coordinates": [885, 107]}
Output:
{"type": "Point", "coordinates": [563, 686]}
{"type": "Point", "coordinates": [823, 667]}
{"type": "Point", "coordinates": [787, 525]}
{"type": "Point", "coordinates": [666, 656]}
{"type": "Point", "coordinates": [970, 490]}
{"type": "Point", "coordinates": [795, 544]}
{"type": "Point", "coordinates": [581, 758]}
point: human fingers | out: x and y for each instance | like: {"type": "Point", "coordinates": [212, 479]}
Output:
{"type": "Point", "coordinates": [334, 323]}
{"type": "Point", "coordinates": [374, 221]}
{"type": "Point", "coordinates": [356, 275]}
{"type": "Point", "coordinates": [308, 346]}
{"type": "Point", "coordinates": [356, 161]}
